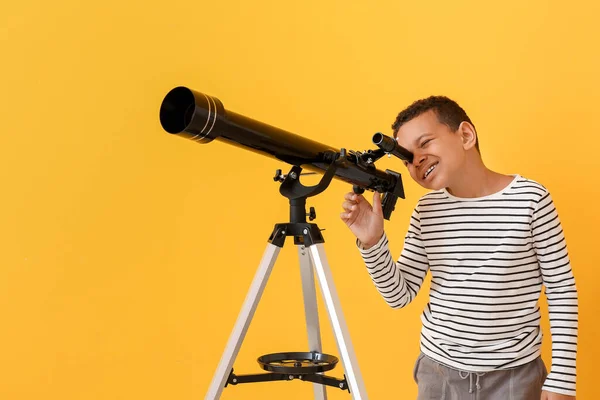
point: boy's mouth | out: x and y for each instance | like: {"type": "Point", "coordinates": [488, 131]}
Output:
{"type": "Point", "coordinates": [429, 171]}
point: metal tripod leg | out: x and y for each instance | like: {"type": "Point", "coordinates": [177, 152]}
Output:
{"type": "Point", "coordinates": [340, 329]}
{"type": "Point", "coordinates": [311, 312]}
{"type": "Point", "coordinates": [243, 321]}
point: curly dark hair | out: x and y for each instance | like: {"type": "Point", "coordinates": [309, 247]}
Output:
{"type": "Point", "coordinates": [447, 110]}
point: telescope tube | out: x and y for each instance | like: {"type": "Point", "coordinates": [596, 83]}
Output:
{"type": "Point", "coordinates": [203, 118]}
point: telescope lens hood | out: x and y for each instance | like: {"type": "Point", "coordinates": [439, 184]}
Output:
{"type": "Point", "coordinates": [191, 114]}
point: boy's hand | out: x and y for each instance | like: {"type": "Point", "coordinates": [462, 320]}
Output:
{"type": "Point", "coordinates": [364, 221]}
{"type": "Point", "coordinates": [555, 396]}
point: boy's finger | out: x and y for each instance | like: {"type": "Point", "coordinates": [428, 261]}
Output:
{"type": "Point", "coordinates": [348, 206]}
{"type": "Point", "coordinates": [345, 216]}
{"type": "Point", "coordinates": [351, 196]}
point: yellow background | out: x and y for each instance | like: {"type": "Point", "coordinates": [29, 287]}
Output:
{"type": "Point", "coordinates": [127, 252]}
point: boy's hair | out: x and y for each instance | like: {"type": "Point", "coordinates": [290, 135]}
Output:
{"type": "Point", "coordinates": [447, 110]}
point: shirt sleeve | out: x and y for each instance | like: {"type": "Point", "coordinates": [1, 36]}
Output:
{"type": "Point", "coordinates": [561, 292]}
{"type": "Point", "coordinates": [398, 282]}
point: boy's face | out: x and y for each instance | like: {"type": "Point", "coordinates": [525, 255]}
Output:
{"type": "Point", "coordinates": [439, 153]}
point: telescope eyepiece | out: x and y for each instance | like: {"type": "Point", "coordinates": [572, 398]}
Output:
{"type": "Point", "coordinates": [385, 143]}
{"type": "Point", "coordinates": [391, 146]}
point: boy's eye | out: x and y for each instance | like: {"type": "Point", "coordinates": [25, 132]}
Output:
{"type": "Point", "coordinates": [425, 142]}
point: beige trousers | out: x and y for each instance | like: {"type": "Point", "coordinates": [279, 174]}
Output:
{"type": "Point", "coordinates": [439, 382]}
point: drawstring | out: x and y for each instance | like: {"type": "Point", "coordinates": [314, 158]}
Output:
{"type": "Point", "coordinates": [470, 375]}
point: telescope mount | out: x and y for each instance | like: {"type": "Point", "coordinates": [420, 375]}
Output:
{"type": "Point", "coordinates": [307, 366]}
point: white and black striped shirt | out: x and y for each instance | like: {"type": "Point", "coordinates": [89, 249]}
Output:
{"type": "Point", "coordinates": [489, 257]}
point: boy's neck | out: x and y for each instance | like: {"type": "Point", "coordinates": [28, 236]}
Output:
{"type": "Point", "coordinates": [477, 180]}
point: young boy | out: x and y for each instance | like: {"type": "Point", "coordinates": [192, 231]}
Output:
{"type": "Point", "coordinates": [490, 241]}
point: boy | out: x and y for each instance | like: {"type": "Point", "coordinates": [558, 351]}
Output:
{"type": "Point", "coordinates": [490, 241]}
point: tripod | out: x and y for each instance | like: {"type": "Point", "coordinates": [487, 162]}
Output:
{"type": "Point", "coordinates": [307, 366]}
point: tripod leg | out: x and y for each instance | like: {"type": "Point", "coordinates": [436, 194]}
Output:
{"type": "Point", "coordinates": [243, 321]}
{"type": "Point", "coordinates": [311, 312]}
{"type": "Point", "coordinates": [340, 329]}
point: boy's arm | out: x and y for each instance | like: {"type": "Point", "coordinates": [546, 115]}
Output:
{"type": "Point", "coordinates": [398, 282]}
{"type": "Point", "coordinates": [561, 292]}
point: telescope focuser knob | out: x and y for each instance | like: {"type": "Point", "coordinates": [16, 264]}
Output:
{"type": "Point", "coordinates": [357, 189]}
{"type": "Point", "coordinates": [312, 214]}
{"type": "Point", "coordinates": [279, 177]}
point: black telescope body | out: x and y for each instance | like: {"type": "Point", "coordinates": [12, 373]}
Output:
{"type": "Point", "coordinates": [202, 118]}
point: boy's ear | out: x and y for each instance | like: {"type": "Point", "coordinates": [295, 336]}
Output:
{"type": "Point", "coordinates": [468, 135]}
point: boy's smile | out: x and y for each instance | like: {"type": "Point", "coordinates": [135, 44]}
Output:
{"type": "Point", "coordinates": [429, 171]}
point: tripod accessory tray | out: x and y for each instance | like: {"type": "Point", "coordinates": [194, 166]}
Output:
{"type": "Point", "coordinates": [298, 362]}
{"type": "Point", "coordinates": [305, 366]}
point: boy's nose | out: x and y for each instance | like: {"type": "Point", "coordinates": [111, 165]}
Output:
{"type": "Point", "coordinates": [418, 160]}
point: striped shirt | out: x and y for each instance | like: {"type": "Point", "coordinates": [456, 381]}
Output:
{"type": "Point", "coordinates": [489, 257]}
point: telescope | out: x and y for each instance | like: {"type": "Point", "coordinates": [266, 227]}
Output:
{"type": "Point", "coordinates": [203, 118]}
